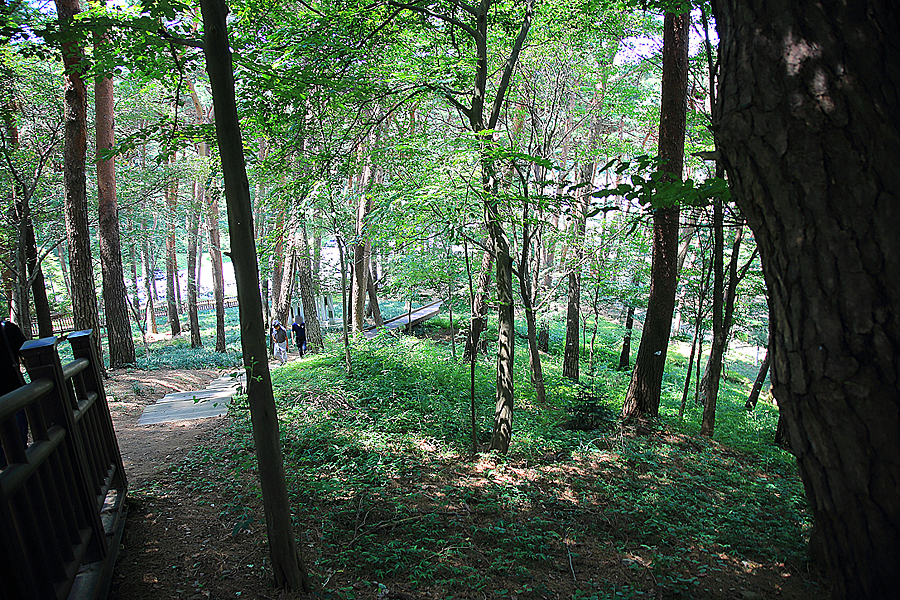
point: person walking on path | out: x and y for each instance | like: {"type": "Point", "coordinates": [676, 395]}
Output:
{"type": "Point", "coordinates": [280, 337]}
{"type": "Point", "coordinates": [299, 329]}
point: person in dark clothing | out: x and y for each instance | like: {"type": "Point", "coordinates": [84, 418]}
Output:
{"type": "Point", "coordinates": [299, 329]}
{"type": "Point", "coordinates": [11, 340]}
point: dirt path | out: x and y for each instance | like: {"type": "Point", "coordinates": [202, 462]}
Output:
{"type": "Point", "coordinates": [176, 544]}
{"type": "Point", "coordinates": [149, 449]}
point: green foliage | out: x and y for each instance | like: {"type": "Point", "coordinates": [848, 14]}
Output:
{"type": "Point", "coordinates": [376, 459]}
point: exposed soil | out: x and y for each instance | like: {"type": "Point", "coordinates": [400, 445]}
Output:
{"type": "Point", "coordinates": [177, 544]}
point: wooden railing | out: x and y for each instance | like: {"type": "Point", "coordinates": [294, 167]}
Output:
{"type": "Point", "coordinates": [64, 323]}
{"type": "Point", "coordinates": [62, 496]}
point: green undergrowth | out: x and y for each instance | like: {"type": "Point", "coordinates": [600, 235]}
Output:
{"type": "Point", "coordinates": [385, 489]}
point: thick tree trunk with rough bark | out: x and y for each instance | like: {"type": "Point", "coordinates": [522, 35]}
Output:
{"type": "Point", "coordinates": [284, 551]}
{"type": "Point", "coordinates": [84, 296]}
{"type": "Point", "coordinates": [115, 296]}
{"type": "Point", "coordinates": [643, 395]}
{"type": "Point", "coordinates": [808, 124]}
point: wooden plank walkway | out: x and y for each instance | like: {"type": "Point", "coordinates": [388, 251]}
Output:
{"type": "Point", "coordinates": [418, 315]}
{"type": "Point", "coordinates": [183, 406]}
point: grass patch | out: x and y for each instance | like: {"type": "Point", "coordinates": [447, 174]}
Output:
{"type": "Point", "coordinates": [386, 493]}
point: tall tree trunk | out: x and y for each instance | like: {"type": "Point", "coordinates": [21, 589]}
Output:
{"type": "Point", "coordinates": [722, 319]}
{"type": "Point", "coordinates": [525, 287]}
{"type": "Point", "coordinates": [193, 235]}
{"type": "Point", "coordinates": [308, 296]}
{"type": "Point", "coordinates": [373, 299]}
{"type": "Point", "coordinates": [171, 257]}
{"type": "Point", "coordinates": [362, 249]}
{"type": "Point", "coordinates": [215, 259]}
{"type": "Point", "coordinates": [84, 296]}
{"type": "Point", "coordinates": [572, 352]}
{"type": "Point", "coordinates": [115, 296]}
{"type": "Point", "coordinates": [810, 133]}
{"type": "Point", "coordinates": [643, 395]}
{"type": "Point", "coordinates": [284, 551]}
{"type": "Point", "coordinates": [149, 284]}
{"type": "Point", "coordinates": [479, 305]}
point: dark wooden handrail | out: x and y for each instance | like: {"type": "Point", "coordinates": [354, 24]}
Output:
{"type": "Point", "coordinates": [62, 496]}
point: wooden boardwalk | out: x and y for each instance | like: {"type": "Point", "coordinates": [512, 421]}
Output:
{"type": "Point", "coordinates": [418, 315]}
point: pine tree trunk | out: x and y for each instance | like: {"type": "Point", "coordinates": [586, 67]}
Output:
{"type": "Point", "coordinates": [84, 296]}
{"type": "Point", "coordinates": [807, 123]}
{"type": "Point", "coordinates": [643, 395]}
{"type": "Point", "coordinates": [287, 562]}
{"type": "Point", "coordinates": [115, 296]}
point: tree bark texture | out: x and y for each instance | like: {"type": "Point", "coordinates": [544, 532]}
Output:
{"type": "Point", "coordinates": [115, 295]}
{"type": "Point", "coordinates": [284, 551]}
{"type": "Point", "coordinates": [84, 296]}
{"type": "Point", "coordinates": [643, 395]}
{"type": "Point", "coordinates": [808, 124]}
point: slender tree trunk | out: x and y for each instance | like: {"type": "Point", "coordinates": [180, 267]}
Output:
{"type": "Point", "coordinates": [84, 296]}
{"type": "Point", "coordinates": [758, 384]}
{"type": "Point", "coordinates": [643, 395]}
{"type": "Point", "coordinates": [572, 352]}
{"type": "Point", "coordinates": [148, 287]}
{"type": "Point", "coordinates": [709, 386]}
{"type": "Point", "coordinates": [805, 118]}
{"type": "Point", "coordinates": [625, 355]}
{"type": "Point", "coordinates": [287, 562]}
{"type": "Point", "coordinates": [307, 295]}
{"type": "Point", "coordinates": [373, 300]}
{"type": "Point", "coordinates": [193, 235]}
{"type": "Point", "coordinates": [115, 296]}
{"type": "Point", "coordinates": [362, 249]}
{"type": "Point", "coordinates": [479, 306]}
{"type": "Point", "coordinates": [215, 259]}
{"type": "Point", "coordinates": [171, 258]}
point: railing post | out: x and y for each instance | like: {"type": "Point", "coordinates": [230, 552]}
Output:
{"type": "Point", "coordinates": [93, 380]}
{"type": "Point", "coordinates": [42, 361]}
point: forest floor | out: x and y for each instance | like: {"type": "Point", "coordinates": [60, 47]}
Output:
{"type": "Point", "coordinates": [180, 543]}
